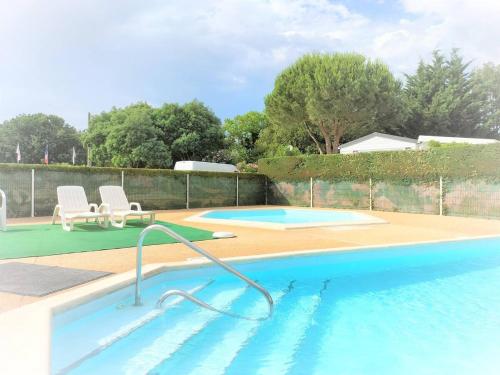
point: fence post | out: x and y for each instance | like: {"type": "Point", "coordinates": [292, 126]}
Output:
{"type": "Point", "coordinates": [311, 193]}
{"type": "Point", "coordinates": [187, 191]}
{"type": "Point", "coordinates": [123, 177]}
{"type": "Point", "coordinates": [32, 193]}
{"type": "Point", "coordinates": [440, 195]}
{"type": "Point", "coordinates": [371, 196]}
{"type": "Point", "coordinates": [237, 190]}
{"type": "Point", "coordinates": [265, 192]}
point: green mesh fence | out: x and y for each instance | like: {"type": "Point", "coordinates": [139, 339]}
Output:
{"type": "Point", "coordinates": [47, 181]}
{"type": "Point", "coordinates": [156, 191]}
{"type": "Point", "coordinates": [472, 198]}
{"type": "Point", "coordinates": [290, 193]}
{"type": "Point", "coordinates": [406, 197]}
{"type": "Point", "coordinates": [341, 194]}
{"type": "Point", "coordinates": [215, 191]}
{"type": "Point", "coordinates": [17, 187]}
{"type": "Point", "coordinates": [167, 190]}
{"type": "Point", "coordinates": [252, 191]}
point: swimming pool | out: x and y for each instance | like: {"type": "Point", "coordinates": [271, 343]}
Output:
{"type": "Point", "coordinates": [285, 218]}
{"type": "Point", "coordinates": [414, 309]}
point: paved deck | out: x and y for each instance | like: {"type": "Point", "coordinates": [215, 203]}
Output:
{"type": "Point", "coordinates": [402, 228]}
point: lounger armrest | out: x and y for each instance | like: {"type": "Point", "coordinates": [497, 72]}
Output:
{"type": "Point", "coordinates": [93, 206]}
{"type": "Point", "coordinates": [104, 208]}
{"type": "Point", "coordinates": [137, 206]}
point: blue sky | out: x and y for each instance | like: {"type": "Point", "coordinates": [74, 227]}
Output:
{"type": "Point", "coordinates": [72, 57]}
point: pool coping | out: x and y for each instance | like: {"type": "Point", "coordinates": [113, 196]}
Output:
{"type": "Point", "coordinates": [199, 218]}
{"type": "Point", "coordinates": [29, 327]}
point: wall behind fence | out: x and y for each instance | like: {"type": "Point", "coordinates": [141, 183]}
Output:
{"type": "Point", "coordinates": [31, 190]}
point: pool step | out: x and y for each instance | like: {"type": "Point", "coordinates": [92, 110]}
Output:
{"type": "Point", "coordinates": [88, 326]}
{"type": "Point", "coordinates": [310, 345]}
{"type": "Point", "coordinates": [216, 346]}
{"type": "Point", "coordinates": [129, 328]}
{"type": "Point", "coordinates": [279, 356]}
{"type": "Point", "coordinates": [175, 336]}
{"type": "Point", "coordinates": [272, 350]}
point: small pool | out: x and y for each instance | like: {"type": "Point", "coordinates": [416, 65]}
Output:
{"type": "Point", "coordinates": [285, 218]}
{"type": "Point", "coordinates": [415, 309]}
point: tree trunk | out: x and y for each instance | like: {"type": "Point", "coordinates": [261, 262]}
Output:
{"type": "Point", "coordinates": [326, 136]}
{"type": "Point", "coordinates": [338, 132]}
{"type": "Point", "coordinates": [316, 142]}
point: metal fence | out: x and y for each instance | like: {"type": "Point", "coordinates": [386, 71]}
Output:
{"type": "Point", "coordinates": [32, 192]}
{"type": "Point", "coordinates": [471, 197]}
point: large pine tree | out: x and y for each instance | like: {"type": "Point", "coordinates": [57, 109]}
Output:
{"type": "Point", "coordinates": [441, 99]}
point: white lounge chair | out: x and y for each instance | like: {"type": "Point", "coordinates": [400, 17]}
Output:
{"type": "Point", "coordinates": [73, 204]}
{"type": "Point", "coordinates": [3, 211]}
{"type": "Point", "coordinates": [116, 204]}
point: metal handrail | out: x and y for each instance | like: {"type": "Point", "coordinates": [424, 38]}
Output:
{"type": "Point", "coordinates": [199, 250]}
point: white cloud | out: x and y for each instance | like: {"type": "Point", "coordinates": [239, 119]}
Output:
{"type": "Point", "coordinates": [87, 55]}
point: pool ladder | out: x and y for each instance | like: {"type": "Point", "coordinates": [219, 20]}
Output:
{"type": "Point", "coordinates": [186, 295]}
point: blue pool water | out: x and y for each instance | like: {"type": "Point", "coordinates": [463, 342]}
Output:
{"type": "Point", "coordinates": [287, 216]}
{"type": "Point", "coordinates": [417, 309]}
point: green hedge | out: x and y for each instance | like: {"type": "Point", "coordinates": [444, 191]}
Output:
{"type": "Point", "coordinates": [468, 161]}
{"type": "Point", "coordinates": [128, 171]}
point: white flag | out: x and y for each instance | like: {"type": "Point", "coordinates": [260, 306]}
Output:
{"type": "Point", "coordinates": [74, 156]}
{"type": "Point", "coordinates": [18, 153]}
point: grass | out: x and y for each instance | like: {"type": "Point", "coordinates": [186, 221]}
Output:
{"type": "Point", "coordinates": [45, 239]}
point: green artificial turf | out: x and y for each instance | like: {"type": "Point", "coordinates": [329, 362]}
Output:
{"type": "Point", "coordinates": [46, 239]}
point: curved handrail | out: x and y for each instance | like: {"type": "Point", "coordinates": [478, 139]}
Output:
{"type": "Point", "coordinates": [199, 250]}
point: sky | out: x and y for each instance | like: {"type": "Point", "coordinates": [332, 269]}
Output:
{"type": "Point", "coordinates": [70, 58]}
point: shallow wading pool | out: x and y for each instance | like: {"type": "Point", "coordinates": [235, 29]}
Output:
{"type": "Point", "coordinates": [285, 218]}
{"type": "Point", "coordinates": [415, 309]}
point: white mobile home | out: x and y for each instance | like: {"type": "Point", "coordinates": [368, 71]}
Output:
{"type": "Point", "coordinates": [378, 142]}
{"type": "Point", "coordinates": [423, 140]}
{"type": "Point", "coordinates": [188, 165]}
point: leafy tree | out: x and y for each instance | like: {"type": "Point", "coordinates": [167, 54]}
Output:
{"type": "Point", "coordinates": [486, 81]}
{"type": "Point", "coordinates": [242, 133]}
{"type": "Point", "coordinates": [276, 140]}
{"type": "Point", "coordinates": [441, 99]}
{"type": "Point", "coordinates": [141, 136]}
{"type": "Point", "coordinates": [335, 95]}
{"type": "Point", "coordinates": [127, 137]}
{"type": "Point", "coordinates": [191, 131]}
{"type": "Point", "coordinates": [34, 133]}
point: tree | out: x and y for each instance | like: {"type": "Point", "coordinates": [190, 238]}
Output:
{"type": "Point", "coordinates": [442, 100]}
{"type": "Point", "coordinates": [127, 137]}
{"type": "Point", "coordinates": [141, 136]}
{"type": "Point", "coordinates": [191, 131]}
{"type": "Point", "coordinates": [276, 140]}
{"type": "Point", "coordinates": [241, 134]}
{"type": "Point", "coordinates": [34, 133]}
{"type": "Point", "coordinates": [486, 82]}
{"type": "Point", "coordinates": [333, 95]}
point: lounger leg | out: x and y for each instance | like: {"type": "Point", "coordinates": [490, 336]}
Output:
{"type": "Point", "coordinates": [55, 214]}
{"type": "Point", "coordinates": [65, 225]}
{"type": "Point", "coordinates": [105, 222]}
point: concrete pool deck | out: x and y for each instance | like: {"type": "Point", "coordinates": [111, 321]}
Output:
{"type": "Point", "coordinates": [401, 228]}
